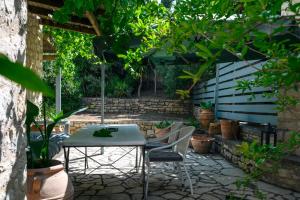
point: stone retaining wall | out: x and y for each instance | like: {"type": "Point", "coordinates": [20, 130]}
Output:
{"type": "Point", "coordinates": [288, 174]}
{"type": "Point", "coordinates": [139, 106]}
{"type": "Point", "coordinates": [289, 119]}
{"type": "Point", "coordinates": [146, 127]}
{"type": "Point", "coordinates": [12, 102]}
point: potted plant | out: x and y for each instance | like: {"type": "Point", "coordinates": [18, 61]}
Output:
{"type": "Point", "coordinates": [162, 128]}
{"type": "Point", "coordinates": [202, 143]}
{"type": "Point", "coordinates": [206, 115]}
{"type": "Point", "coordinates": [46, 178]}
{"type": "Point", "coordinates": [229, 129]}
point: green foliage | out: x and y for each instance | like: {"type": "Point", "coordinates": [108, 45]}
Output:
{"type": "Point", "coordinates": [150, 24]}
{"type": "Point", "coordinates": [17, 73]}
{"type": "Point", "coordinates": [71, 95]}
{"type": "Point", "coordinates": [208, 28]}
{"type": "Point", "coordinates": [192, 121]}
{"type": "Point", "coordinates": [206, 105]}
{"type": "Point", "coordinates": [163, 124]}
{"type": "Point", "coordinates": [265, 159]}
{"type": "Point", "coordinates": [170, 81]}
{"type": "Point", "coordinates": [69, 45]}
{"type": "Point", "coordinates": [117, 87]}
{"type": "Point", "coordinates": [88, 77]}
{"type": "Point", "coordinates": [102, 133]}
{"type": "Point", "coordinates": [113, 23]}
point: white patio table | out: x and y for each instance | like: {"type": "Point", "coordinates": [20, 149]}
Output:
{"type": "Point", "coordinates": [127, 135]}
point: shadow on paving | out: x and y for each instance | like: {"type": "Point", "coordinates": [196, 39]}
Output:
{"type": "Point", "coordinates": [212, 176]}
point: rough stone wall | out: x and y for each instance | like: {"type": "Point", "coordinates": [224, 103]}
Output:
{"type": "Point", "coordinates": [12, 102]}
{"type": "Point", "coordinates": [139, 106]}
{"type": "Point", "coordinates": [288, 174]}
{"type": "Point", "coordinates": [34, 52]}
{"type": "Point", "coordinates": [289, 120]}
{"type": "Point", "coordinates": [146, 127]}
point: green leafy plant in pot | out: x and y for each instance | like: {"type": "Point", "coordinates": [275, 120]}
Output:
{"type": "Point", "coordinates": [206, 115]}
{"type": "Point", "coordinates": [45, 177]}
{"type": "Point", "coordinates": [162, 128]}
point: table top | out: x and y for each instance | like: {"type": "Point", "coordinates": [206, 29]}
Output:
{"type": "Point", "coordinates": [127, 135]}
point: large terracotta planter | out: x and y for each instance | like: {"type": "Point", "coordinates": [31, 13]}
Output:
{"type": "Point", "coordinates": [229, 129]}
{"type": "Point", "coordinates": [161, 132]}
{"type": "Point", "coordinates": [202, 144]}
{"type": "Point", "coordinates": [206, 117]}
{"type": "Point", "coordinates": [49, 183]}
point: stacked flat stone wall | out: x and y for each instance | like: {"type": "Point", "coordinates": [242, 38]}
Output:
{"type": "Point", "coordinates": [288, 174]}
{"type": "Point", "coordinates": [139, 106]}
{"type": "Point", "coordinates": [289, 120]}
{"type": "Point", "coordinates": [12, 102]}
{"type": "Point", "coordinates": [146, 127]}
{"type": "Point", "coordinates": [34, 52]}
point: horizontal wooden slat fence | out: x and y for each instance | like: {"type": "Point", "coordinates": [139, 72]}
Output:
{"type": "Point", "coordinates": [248, 106]}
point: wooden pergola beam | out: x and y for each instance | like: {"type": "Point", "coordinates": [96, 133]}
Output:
{"type": "Point", "coordinates": [47, 14]}
{"type": "Point", "coordinates": [49, 56]}
{"type": "Point", "coordinates": [47, 4]}
{"type": "Point", "coordinates": [94, 22]}
{"type": "Point", "coordinates": [72, 27]}
{"type": "Point", "coordinates": [45, 9]}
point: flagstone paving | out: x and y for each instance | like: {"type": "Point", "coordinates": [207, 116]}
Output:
{"type": "Point", "coordinates": [212, 176]}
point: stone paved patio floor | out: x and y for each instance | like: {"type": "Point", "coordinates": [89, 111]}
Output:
{"type": "Point", "coordinates": [213, 178]}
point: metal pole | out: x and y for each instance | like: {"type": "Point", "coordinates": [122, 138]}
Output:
{"type": "Point", "coordinates": [58, 92]}
{"type": "Point", "coordinates": [216, 91]}
{"type": "Point", "coordinates": [102, 91]}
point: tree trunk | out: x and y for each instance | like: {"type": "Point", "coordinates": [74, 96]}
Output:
{"type": "Point", "coordinates": [154, 70]}
{"type": "Point", "coordinates": [140, 86]}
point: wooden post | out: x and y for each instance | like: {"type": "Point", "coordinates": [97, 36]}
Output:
{"type": "Point", "coordinates": [58, 92]}
{"type": "Point", "coordinates": [102, 91]}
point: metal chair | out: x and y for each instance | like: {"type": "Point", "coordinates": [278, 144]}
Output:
{"type": "Point", "coordinates": [172, 136]}
{"type": "Point", "coordinates": [156, 142]}
{"type": "Point", "coordinates": [177, 155]}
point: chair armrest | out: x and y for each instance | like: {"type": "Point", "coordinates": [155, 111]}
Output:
{"type": "Point", "coordinates": [164, 137]}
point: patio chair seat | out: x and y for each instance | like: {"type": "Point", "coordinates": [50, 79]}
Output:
{"type": "Point", "coordinates": [152, 145]}
{"type": "Point", "coordinates": [165, 156]}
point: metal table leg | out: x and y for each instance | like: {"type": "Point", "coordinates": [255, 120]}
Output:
{"type": "Point", "coordinates": [136, 159]}
{"type": "Point", "coordinates": [143, 172]}
{"type": "Point", "coordinates": [85, 159]}
{"type": "Point", "coordinates": [67, 154]}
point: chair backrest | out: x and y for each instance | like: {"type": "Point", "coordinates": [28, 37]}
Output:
{"type": "Point", "coordinates": [184, 137]}
{"type": "Point", "coordinates": [175, 126]}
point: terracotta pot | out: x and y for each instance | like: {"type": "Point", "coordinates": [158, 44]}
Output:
{"type": "Point", "coordinates": [229, 129]}
{"type": "Point", "coordinates": [202, 144]}
{"type": "Point", "coordinates": [161, 132]}
{"type": "Point", "coordinates": [206, 117]}
{"type": "Point", "coordinates": [49, 183]}
{"type": "Point", "coordinates": [214, 129]}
